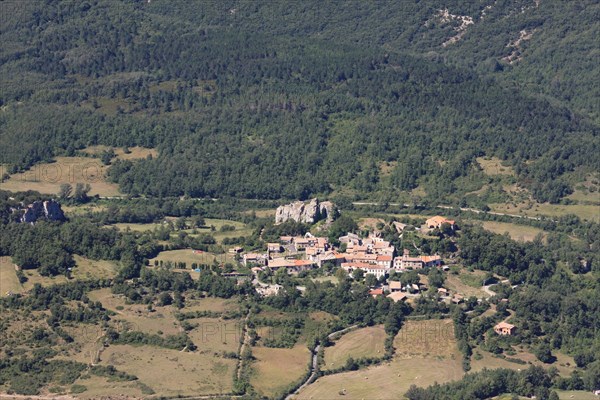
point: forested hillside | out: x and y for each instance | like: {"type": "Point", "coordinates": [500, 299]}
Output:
{"type": "Point", "coordinates": [293, 99]}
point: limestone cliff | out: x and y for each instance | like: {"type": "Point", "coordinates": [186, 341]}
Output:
{"type": "Point", "coordinates": [308, 213]}
{"type": "Point", "coordinates": [46, 210]}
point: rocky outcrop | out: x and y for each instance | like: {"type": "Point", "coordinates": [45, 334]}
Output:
{"type": "Point", "coordinates": [308, 213]}
{"type": "Point", "coordinates": [48, 210]}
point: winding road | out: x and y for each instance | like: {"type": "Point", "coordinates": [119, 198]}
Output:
{"type": "Point", "coordinates": [315, 362]}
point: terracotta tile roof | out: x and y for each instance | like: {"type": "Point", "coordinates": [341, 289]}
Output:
{"type": "Point", "coordinates": [397, 296]}
{"type": "Point", "coordinates": [503, 325]}
{"type": "Point", "coordinates": [438, 220]}
{"type": "Point", "coordinates": [428, 259]}
{"type": "Point", "coordinates": [395, 285]}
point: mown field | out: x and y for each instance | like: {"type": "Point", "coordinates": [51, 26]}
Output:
{"type": "Point", "coordinates": [521, 233]}
{"type": "Point", "coordinates": [84, 269]}
{"type": "Point", "coordinates": [466, 283]}
{"type": "Point", "coordinates": [9, 283]}
{"type": "Point", "coordinates": [426, 353]}
{"type": "Point", "coordinates": [583, 211]}
{"type": "Point", "coordinates": [363, 342]}
{"type": "Point", "coordinates": [189, 257]}
{"type": "Point", "coordinates": [46, 178]}
{"type": "Point", "coordinates": [83, 209]}
{"type": "Point", "coordinates": [576, 394]}
{"type": "Point", "coordinates": [93, 269]}
{"type": "Point", "coordinates": [565, 364]}
{"type": "Point", "coordinates": [172, 372]}
{"type": "Point", "coordinates": [212, 226]}
{"type": "Point", "coordinates": [274, 369]}
{"type": "Point", "coordinates": [166, 372]}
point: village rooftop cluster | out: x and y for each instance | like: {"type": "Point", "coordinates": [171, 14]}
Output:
{"type": "Point", "coordinates": [373, 255]}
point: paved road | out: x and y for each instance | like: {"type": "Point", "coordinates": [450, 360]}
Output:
{"type": "Point", "coordinates": [473, 210]}
{"type": "Point", "coordinates": [315, 363]}
{"type": "Point", "coordinates": [487, 289]}
{"type": "Point", "coordinates": [369, 203]}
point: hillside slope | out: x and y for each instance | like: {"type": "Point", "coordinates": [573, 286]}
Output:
{"type": "Point", "coordinates": [272, 100]}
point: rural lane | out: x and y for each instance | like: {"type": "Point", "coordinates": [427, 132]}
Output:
{"type": "Point", "coordinates": [315, 362]}
{"type": "Point", "coordinates": [473, 210]}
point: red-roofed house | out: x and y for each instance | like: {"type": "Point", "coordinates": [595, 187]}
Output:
{"type": "Point", "coordinates": [293, 266]}
{"type": "Point", "coordinates": [431, 261]}
{"type": "Point", "coordinates": [437, 221]}
{"type": "Point", "coordinates": [504, 329]}
{"type": "Point", "coordinates": [397, 296]}
{"type": "Point", "coordinates": [384, 261]}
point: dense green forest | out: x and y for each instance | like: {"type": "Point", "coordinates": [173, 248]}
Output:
{"type": "Point", "coordinates": [291, 99]}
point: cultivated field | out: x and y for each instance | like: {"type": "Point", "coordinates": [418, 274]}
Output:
{"type": "Point", "coordinates": [585, 196]}
{"type": "Point", "coordinates": [93, 269]}
{"type": "Point", "coordinates": [188, 256]}
{"type": "Point", "coordinates": [575, 394]}
{"type": "Point", "coordinates": [426, 353]}
{"type": "Point", "coordinates": [522, 233]}
{"type": "Point", "coordinates": [85, 269]}
{"type": "Point", "coordinates": [172, 372]}
{"type": "Point", "coordinates": [587, 212]}
{"type": "Point", "coordinates": [9, 283]}
{"type": "Point", "coordinates": [46, 178]}
{"type": "Point", "coordinates": [214, 335]}
{"type": "Point", "coordinates": [241, 229]}
{"type": "Point", "coordinates": [275, 369]}
{"type": "Point", "coordinates": [369, 223]}
{"type": "Point", "coordinates": [136, 316]}
{"type": "Point", "coordinates": [83, 208]}
{"type": "Point", "coordinates": [262, 213]}
{"type": "Point", "coordinates": [99, 387]}
{"type": "Point", "coordinates": [563, 363]}
{"type": "Point", "coordinates": [167, 372]}
{"type": "Point", "coordinates": [33, 277]}
{"type": "Point", "coordinates": [137, 227]}
{"type": "Point", "coordinates": [364, 342]}
{"type": "Point", "coordinates": [210, 304]}
{"type": "Point", "coordinates": [467, 284]}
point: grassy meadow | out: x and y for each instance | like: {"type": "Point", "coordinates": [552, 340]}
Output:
{"type": "Point", "coordinates": [426, 353]}
{"type": "Point", "coordinates": [363, 342]}
{"type": "Point", "coordinates": [46, 178]}
{"type": "Point", "coordinates": [274, 369]}
{"type": "Point", "coordinates": [521, 233]}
